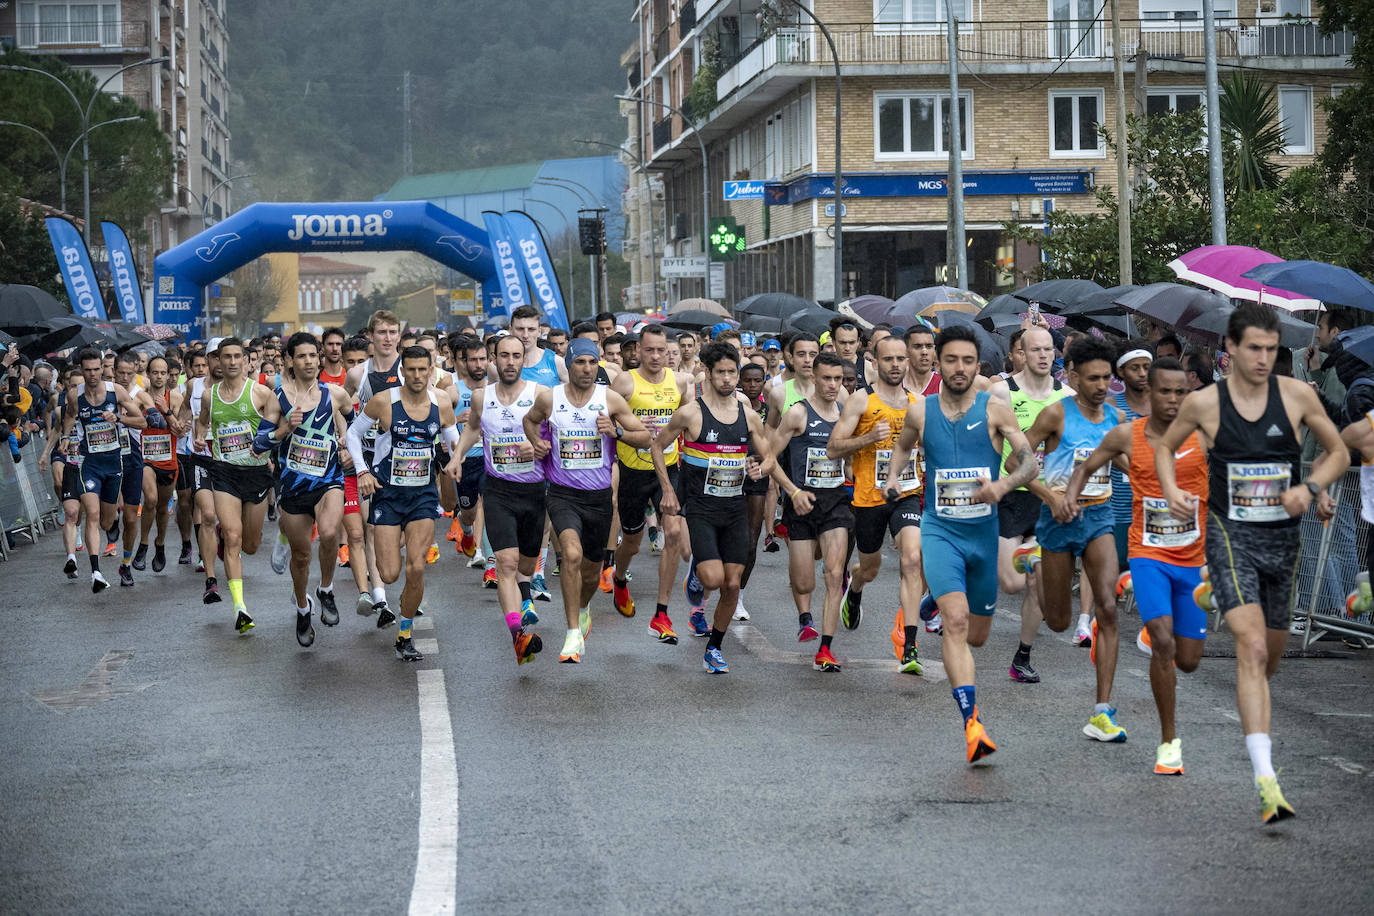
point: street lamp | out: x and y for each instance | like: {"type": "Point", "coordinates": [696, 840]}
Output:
{"type": "Point", "coordinates": [86, 127]}
{"type": "Point", "coordinates": [567, 227]}
{"type": "Point", "coordinates": [61, 159]}
{"type": "Point", "coordinates": [648, 196]}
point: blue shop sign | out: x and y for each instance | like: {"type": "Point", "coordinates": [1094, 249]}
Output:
{"type": "Point", "coordinates": [744, 190]}
{"type": "Point", "coordinates": [930, 184]}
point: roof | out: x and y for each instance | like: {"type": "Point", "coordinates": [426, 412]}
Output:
{"type": "Point", "coordinates": [468, 181]}
{"type": "Point", "coordinates": [314, 264]}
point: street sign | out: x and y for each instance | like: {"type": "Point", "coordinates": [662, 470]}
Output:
{"type": "Point", "coordinates": [462, 302]}
{"type": "Point", "coordinates": [743, 190]}
{"type": "Point", "coordinates": [682, 268]}
{"type": "Point", "coordinates": [830, 210]}
{"type": "Point", "coordinates": [716, 288]}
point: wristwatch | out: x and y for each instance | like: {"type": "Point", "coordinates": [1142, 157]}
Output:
{"type": "Point", "coordinates": [1312, 488]}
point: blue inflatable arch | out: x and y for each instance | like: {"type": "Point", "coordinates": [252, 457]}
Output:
{"type": "Point", "coordinates": [182, 273]}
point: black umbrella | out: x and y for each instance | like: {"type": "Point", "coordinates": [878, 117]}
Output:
{"type": "Point", "coordinates": [60, 333]}
{"type": "Point", "coordinates": [1210, 327]}
{"type": "Point", "coordinates": [23, 309]}
{"type": "Point", "coordinates": [763, 324]}
{"type": "Point", "coordinates": [778, 305]}
{"type": "Point", "coordinates": [1058, 293]}
{"type": "Point", "coordinates": [5, 340]}
{"type": "Point", "coordinates": [1002, 305]}
{"type": "Point", "coordinates": [1118, 324]}
{"type": "Point", "coordinates": [991, 348]}
{"type": "Point", "coordinates": [1004, 325]}
{"type": "Point", "coordinates": [1172, 305]}
{"type": "Point", "coordinates": [693, 319]}
{"type": "Point", "coordinates": [1099, 303]}
{"type": "Point", "coordinates": [813, 320]}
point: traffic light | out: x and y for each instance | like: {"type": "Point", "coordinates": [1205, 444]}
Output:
{"type": "Point", "coordinates": [591, 234]}
{"type": "Point", "coordinates": [727, 239]}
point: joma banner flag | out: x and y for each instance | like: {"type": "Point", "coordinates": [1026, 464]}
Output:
{"type": "Point", "coordinates": [529, 243]}
{"type": "Point", "coordinates": [509, 268]}
{"type": "Point", "coordinates": [123, 273]}
{"type": "Point", "coordinates": [82, 287]}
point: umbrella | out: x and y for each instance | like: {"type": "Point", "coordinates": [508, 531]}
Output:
{"type": "Point", "coordinates": [28, 306]}
{"type": "Point", "coordinates": [866, 309]}
{"type": "Point", "coordinates": [1359, 343]}
{"type": "Point", "coordinates": [157, 331]}
{"type": "Point", "coordinates": [762, 324]}
{"type": "Point", "coordinates": [1000, 324]}
{"type": "Point", "coordinates": [694, 319]}
{"type": "Point", "coordinates": [776, 304]}
{"type": "Point", "coordinates": [1103, 302]}
{"type": "Point", "coordinates": [1118, 324]}
{"type": "Point", "coordinates": [991, 348]}
{"type": "Point", "coordinates": [1293, 332]}
{"type": "Point", "coordinates": [706, 305]}
{"type": "Point", "coordinates": [60, 333]}
{"type": "Point", "coordinates": [1223, 268]}
{"type": "Point", "coordinates": [1172, 304]}
{"type": "Point", "coordinates": [1327, 282]}
{"type": "Point", "coordinates": [1058, 293]}
{"type": "Point", "coordinates": [5, 340]}
{"type": "Point", "coordinates": [916, 301]}
{"type": "Point", "coordinates": [967, 308]}
{"type": "Point", "coordinates": [1002, 305]}
{"type": "Point", "coordinates": [813, 320]}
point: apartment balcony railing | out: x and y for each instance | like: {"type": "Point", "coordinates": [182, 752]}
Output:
{"type": "Point", "coordinates": [687, 16]}
{"type": "Point", "coordinates": [84, 35]}
{"type": "Point", "coordinates": [661, 46]}
{"type": "Point", "coordinates": [663, 133]}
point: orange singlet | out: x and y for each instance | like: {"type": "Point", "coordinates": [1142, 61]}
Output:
{"type": "Point", "coordinates": [1155, 534]}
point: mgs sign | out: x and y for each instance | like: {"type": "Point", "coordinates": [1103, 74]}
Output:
{"type": "Point", "coordinates": [337, 226]}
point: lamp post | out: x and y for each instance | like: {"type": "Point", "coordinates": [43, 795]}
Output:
{"type": "Point", "coordinates": [648, 196]}
{"type": "Point", "coordinates": [61, 159]}
{"type": "Point", "coordinates": [567, 227]}
{"type": "Point", "coordinates": [86, 128]}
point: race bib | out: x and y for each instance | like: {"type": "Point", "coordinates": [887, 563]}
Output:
{"type": "Point", "coordinates": [954, 493]}
{"type": "Point", "coordinates": [821, 472]}
{"type": "Point", "coordinates": [505, 454]}
{"type": "Point", "coordinates": [309, 455]}
{"type": "Point", "coordinates": [579, 449]}
{"type": "Point", "coordinates": [234, 441]}
{"type": "Point", "coordinates": [724, 475]}
{"type": "Point", "coordinates": [410, 465]}
{"type": "Point", "coordinates": [653, 424]}
{"type": "Point", "coordinates": [907, 481]}
{"type": "Point", "coordinates": [157, 447]}
{"type": "Point", "coordinates": [1163, 530]}
{"type": "Point", "coordinates": [101, 436]}
{"type": "Point", "coordinates": [126, 448]}
{"type": "Point", "coordinates": [1098, 487]}
{"type": "Point", "coordinates": [1255, 490]}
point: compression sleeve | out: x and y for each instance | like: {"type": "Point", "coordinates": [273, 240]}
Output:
{"type": "Point", "coordinates": [354, 438]}
{"type": "Point", "coordinates": [450, 436]}
{"type": "Point", "coordinates": [264, 441]}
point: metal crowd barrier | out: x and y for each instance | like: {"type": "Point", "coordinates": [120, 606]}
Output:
{"type": "Point", "coordinates": [27, 502]}
{"type": "Point", "coordinates": [1332, 555]}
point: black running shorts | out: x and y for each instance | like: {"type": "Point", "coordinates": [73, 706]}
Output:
{"type": "Point", "coordinates": [514, 515]}
{"type": "Point", "coordinates": [831, 510]}
{"type": "Point", "coordinates": [588, 512]}
{"type": "Point", "coordinates": [1253, 565]}
{"type": "Point", "coordinates": [638, 490]}
{"type": "Point", "coordinates": [872, 524]}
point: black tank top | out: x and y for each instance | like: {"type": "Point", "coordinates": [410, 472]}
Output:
{"type": "Point", "coordinates": [713, 465]}
{"type": "Point", "coordinates": [758, 487]}
{"type": "Point", "coordinates": [808, 466]}
{"type": "Point", "coordinates": [1252, 463]}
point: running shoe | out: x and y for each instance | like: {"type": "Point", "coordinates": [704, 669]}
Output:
{"type": "Point", "coordinates": [69, 568]}
{"type": "Point", "coordinates": [385, 617]}
{"type": "Point", "coordinates": [305, 630]}
{"type": "Point", "coordinates": [661, 628]}
{"type": "Point", "coordinates": [242, 622]}
{"type": "Point", "coordinates": [557, 564]}
{"type": "Point", "coordinates": [584, 622]}
{"type": "Point", "coordinates": [1273, 806]}
{"type": "Point", "coordinates": [976, 737]}
{"type": "Point", "coordinates": [527, 646]}
{"type": "Point", "coordinates": [700, 627]}
{"type": "Point", "coordinates": [692, 588]}
{"type": "Point", "coordinates": [1142, 641]}
{"type": "Point", "coordinates": [141, 557]}
{"type": "Point", "coordinates": [126, 576]}
{"type": "Point", "coordinates": [851, 608]}
{"type": "Point", "coordinates": [770, 544]}
{"type": "Point", "coordinates": [806, 629]}
{"type": "Point", "coordinates": [1124, 585]}
{"type": "Point", "coordinates": [111, 548]}
{"type": "Point", "coordinates": [467, 544]}
{"type": "Point", "coordinates": [98, 583]}
{"type": "Point", "coordinates": [911, 662]}
{"type": "Point", "coordinates": [825, 661]}
{"type": "Point", "coordinates": [1023, 673]}
{"type": "Point", "coordinates": [185, 557]}
{"type": "Point", "coordinates": [211, 595]}
{"type": "Point", "coordinates": [607, 581]}
{"type": "Point", "coordinates": [780, 531]}
{"type": "Point", "coordinates": [1169, 758]}
{"type": "Point", "coordinates": [740, 612]}
{"type": "Point", "coordinates": [1083, 638]}
{"type": "Point", "coordinates": [329, 608]}
{"type": "Point", "coordinates": [1026, 557]}
{"type": "Point", "coordinates": [281, 555]}
{"type": "Point", "coordinates": [539, 588]}
{"type": "Point", "coordinates": [714, 663]}
{"type": "Point", "coordinates": [528, 617]}
{"type": "Point", "coordinates": [1102, 727]}
{"type": "Point", "coordinates": [572, 650]}
{"type": "Point", "coordinates": [655, 539]}
{"type": "Point", "coordinates": [489, 577]}
{"type": "Point", "coordinates": [1202, 595]}
{"type": "Point", "coordinates": [455, 529]}
{"type": "Point", "coordinates": [620, 595]}
{"type": "Point", "coordinates": [930, 615]}
{"type": "Point", "coordinates": [1092, 644]}
{"type": "Point", "coordinates": [1298, 626]}
{"type": "Point", "coordinates": [364, 605]}
{"type": "Point", "coordinates": [159, 558]}
{"type": "Point", "coordinates": [432, 556]}
{"type": "Point", "coordinates": [478, 561]}
{"type": "Point", "coordinates": [80, 539]}
{"type": "Point", "coordinates": [343, 555]}
{"type": "Point", "coordinates": [898, 634]}
{"type": "Point", "coordinates": [406, 651]}
{"type": "Point", "coordinates": [936, 625]}
{"type": "Point", "coordinates": [200, 565]}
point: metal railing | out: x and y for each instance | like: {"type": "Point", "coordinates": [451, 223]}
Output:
{"type": "Point", "coordinates": [1332, 555]}
{"type": "Point", "coordinates": [81, 34]}
{"type": "Point", "coordinates": [27, 501]}
{"type": "Point", "coordinates": [663, 133]}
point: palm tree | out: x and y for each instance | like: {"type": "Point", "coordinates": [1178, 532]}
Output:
{"type": "Point", "coordinates": [1250, 123]}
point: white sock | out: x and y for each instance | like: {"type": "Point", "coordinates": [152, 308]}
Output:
{"type": "Point", "coordinates": [379, 594]}
{"type": "Point", "coordinates": [303, 610]}
{"type": "Point", "coordinates": [327, 589]}
{"type": "Point", "coordinates": [72, 557]}
{"type": "Point", "coordinates": [574, 631]}
{"type": "Point", "coordinates": [1259, 746]}
{"type": "Point", "coordinates": [1084, 622]}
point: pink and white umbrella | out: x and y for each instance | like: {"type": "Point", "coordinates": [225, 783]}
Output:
{"type": "Point", "coordinates": [1222, 268]}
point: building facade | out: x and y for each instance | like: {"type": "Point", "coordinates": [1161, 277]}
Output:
{"type": "Point", "coordinates": [1035, 79]}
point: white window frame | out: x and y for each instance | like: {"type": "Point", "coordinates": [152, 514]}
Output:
{"type": "Point", "coordinates": [1173, 92]}
{"type": "Point", "coordinates": [1076, 153]}
{"type": "Point", "coordinates": [28, 15]}
{"type": "Point", "coordinates": [1309, 149]}
{"type": "Point", "coordinates": [909, 24]}
{"type": "Point", "coordinates": [941, 99]}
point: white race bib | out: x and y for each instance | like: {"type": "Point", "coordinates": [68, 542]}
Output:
{"type": "Point", "coordinates": [653, 423]}
{"type": "Point", "coordinates": [505, 454]}
{"type": "Point", "coordinates": [1255, 491]}
{"type": "Point", "coordinates": [822, 473]}
{"type": "Point", "coordinates": [724, 475]}
{"type": "Point", "coordinates": [1161, 529]}
{"type": "Point", "coordinates": [410, 465]}
{"type": "Point", "coordinates": [908, 480]}
{"type": "Point", "coordinates": [309, 455]}
{"type": "Point", "coordinates": [1098, 487]}
{"type": "Point", "coordinates": [234, 441]}
{"type": "Point", "coordinates": [579, 449]}
{"type": "Point", "coordinates": [157, 447]}
{"type": "Point", "coordinates": [101, 436]}
{"type": "Point", "coordinates": [954, 489]}
{"type": "Point", "coordinates": [126, 447]}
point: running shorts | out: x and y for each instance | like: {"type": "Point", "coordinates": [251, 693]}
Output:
{"type": "Point", "coordinates": [1092, 523]}
{"type": "Point", "coordinates": [470, 486]}
{"type": "Point", "coordinates": [723, 538]}
{"type": "Point", "coordinates": [105, 481]}
{"type": "Point", "coordinates": [186, 471]}
{"type": "Point", "coordinates": [1253, 565]}
{"type": "Point", "coordinates": [72, 484]}
{"type": "Point", "coordinates": [162, 477]}
{"type": "Point", "coordinates": [249, 484]}
{"type": "Point", "coordinates": [132, 488]}
{"type": "Point", "coordinates": [830, 510]}
{"type": "Point", "coordinates": [588, 512]}
{"type": "Point", "coordinates": [399, 506]}
{"type": "Point", "coordinates": [515, 515]}
{"type": "Point", "coordinates": [758, 487]}
{"type": "Point", "coordinates": [873, 523]}
{"type": "Point", "coordinates": [1017, 514]}
{"type": "Point", "coordinates": [350, 485]}
{"type": "Point", "coordinates": [638, 490]}
{"type": "Point", "coordinates": [303, 502]}
{"type": "Point", "coordinates": [961, 559]}
{"type": "Point", "coordinates": [1165, 590]}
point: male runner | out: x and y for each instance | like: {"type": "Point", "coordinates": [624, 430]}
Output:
{"type": "Point", "coordinates": [868, 426]}
{"type": "Point", "coordinates": [690, 345]}
{"type": "Point", "coordinates": [400, 481]}
{"type": "Point", "coordinates": [1069, 430]}
{"type": "Point", "coordinates": [333, 369]}
{"type": "Point", "coordinates": [962, 431]}
{"type": "Point", "coordinates": [131, 457]}
{"type": "Point", "coordinates": [197, 367]}
{"type": "Point", "coordinates": [817, 507]}
{"type": "Point", "coordinates": [66, 464]}
{"type": "Point", "coordinates": [205, 522]}
{"type": "Point", "coordinates": [160, 466]}
{"type": "Point", "coordinates": [653, 394]}
{"type": "Point", "coordinates": [1165, 554]}
{"type": "Point", "coordinates": [542, 366]}
{"type": "Point", "coordinates": [1133, 368]}
{"type": "Point", "coordinates": [469, 380]}
{"type": "Point", "coordinates": [1250, 424]}
{"type": "Point", "coordinates": [717, 431]}
{"type": "Point", "coordinates": [751, 384]}
{"type": "Point", "coordinates": [800, 354]}
{"type": "Point", "coordinates": [921, 375]}
{"type": "Point", "coordinates": [605, 325]}
{"type": "Point", "coordinates": [353, 553]}
{"type": "Point", "coordinates": [579, 421]}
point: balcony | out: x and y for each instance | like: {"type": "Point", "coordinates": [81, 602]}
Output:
{"type": "Point", "coordinates": [214, 104]}
{"type": "Point", "coordinates": [687, 17]}
{"type": "Point", "coordinates": [72, 36]}
{"type": "Point", "coordinates": [663, 133]}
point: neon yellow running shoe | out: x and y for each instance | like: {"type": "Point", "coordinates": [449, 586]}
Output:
{"type": "Point", "coordinates": [1273, 806]}
{"type": "Point", "coordinates": [584, 621]}
{"type": "Point", "coordinates": [1103, 727]}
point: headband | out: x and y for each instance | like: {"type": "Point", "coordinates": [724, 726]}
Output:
{"type": "Point", "coordinates": [580, 346]}
{"type": "Point", "coordinates": [1134, 354]}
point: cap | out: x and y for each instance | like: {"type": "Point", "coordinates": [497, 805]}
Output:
{"type": "Point", "coordinates": [214, 345]}
{"type": "Point", "coordinates": [824, 338]}
{"type": "Point", "coordinates": [771, 344]}
{"type": "Point", "coordinates": [718, 327]}
{"type": "Point", "coordinates": [631, 337]}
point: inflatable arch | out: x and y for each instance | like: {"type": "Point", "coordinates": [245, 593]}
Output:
{"type": "Point", "coordinates": [182, 273]}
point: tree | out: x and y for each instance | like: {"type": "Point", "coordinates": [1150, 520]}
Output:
{"type": "Point", "coordinates": [26, 254]}
{"type": "Point", "coordinates": [1250, 124]}
{"type": "Point", "coordinates": [256, 294]}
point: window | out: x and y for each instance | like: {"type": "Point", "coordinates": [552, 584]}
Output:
{"type": "Point", "coordinates": [917, 15]}
{"type": "Point", "coordinates": [1074, 117]}
{"type": "Point", "coordinates": [1169, 13]}
{"type": "Point", "coordinates": [68, 24]}
{"type": "Point", "coordinates": [905, 125]}
{"type": "Point", "coordinates": [1295, 116]}
{"type": "Point", "coordinates": [1158, 103]}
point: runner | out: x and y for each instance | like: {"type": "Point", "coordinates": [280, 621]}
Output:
{"type": "Point", "coordinates": [65, 450]}
{"type": "Point", "coordinates": [513, 493]}
{"type": "Point", "coordinates": [469, 380]}
{"type": "Point", "coordinates": [653, 394]}
{"type": "Point", "coordinates": [205, 520]}
{"type": "Point", "coordinates": [581, 419]}
{"type": "Point", "coordinates": [542, 366]}
{"type": "Point", "coordinates": [353, 553]}
{"type": "Point", "coordinates": [869, 425]}
{"type": "Point", "coordinates": [1166, 555]}
{"type": "Point", "coordinates": [314, 415]}
{"type": "Point", "coordinates": [131, 459]}
{"type": "Point", "coordinates": [400, 481]}
{"type": "Point", "coordinates": [160, 466]}
{"type": "Point", "coordinates": [756, 492]}
{"type": "Point", "coordinates": [1069, 430]}
{"type": "Point", "coordinates": [962, 432]}
{"type": "Point", "coordinates": [1250, 425]}
{"type": "Point", "coordinates": [197, 367]}
{"type": "Point", "coordinates": [236, 417]}
{"type": "Point", "coordinates": [921, 375]}
{"type": "Point", "coordinates": [817, 507]}
{"type": "Point", "coordinates": [1133, 368]}
{"type": "Point", "coordinates": [333, 368]}
{"type": "Point", "coordinates": [714, 465]}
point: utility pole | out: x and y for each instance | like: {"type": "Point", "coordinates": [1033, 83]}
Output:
{"type": "Point", "coordinates": [1123, 151]}
{"type": "Point", "coordinates": [1218, 192]}
{"type": "Point", "coordinates": [957, 255]}
{"type": "Point", "coordinates": [407, 150]}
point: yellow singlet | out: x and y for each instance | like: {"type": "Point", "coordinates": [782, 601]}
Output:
{"type": "Point", "coordinates": [870, 464]}
{"type": "Point", "coordinates": [654, 406]}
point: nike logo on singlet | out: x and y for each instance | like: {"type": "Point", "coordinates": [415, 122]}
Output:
{"type": "Point", "coordinates": [1184, 453]}
{"type": "Point", "coordinates": [974, 425]}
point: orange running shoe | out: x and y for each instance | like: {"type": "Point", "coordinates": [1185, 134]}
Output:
{"type": "Point", "coordinates": [432, 556]}
{"type": "Point", "coordinates": [621, 595]}
{"type": "Point", "coordinates": [314, 533]}
{"type": "Point", "coordinates": [454, 530]}
{"type": "Point", "coordinates": [467, 544]}
{"type": "Point", "coordinates": [825, 660]}
{"type": "Point", "coordinates": [661, 628]}
{"type": "Point", "coordinates": [489, 578]}
{"type": "Point", "coordinates": [1092, 650]}
{"type": "Point", "coordinates": [527, 645]}
{"type": "Point", "coordinates": [1026, 557]}
{"type": "Point", "coordinates": [898, 633]}
{"type": "Point", "coordinates": [606, 583]}
{"type": "Point", "coordinates": [343, 554]}
{"type": "Point", "coordinates": [979, 744]}
{"type": "Point", "coordinates": [1142, 642]}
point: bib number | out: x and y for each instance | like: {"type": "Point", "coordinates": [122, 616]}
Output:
{"type": "Point", "coordinates": [505, 454]}
{"type": "Point", "coordinates": [410, 465]}
{"type": "Point", "coordinates": [1255, 491]}
{"type": "Point", "coordinates": [1098, 487]}
{"type": "Point", "coordinates": [909, 479]}
{"type": "Point", "coordinates": [724, 475]}
{"type": "Point", "coordinates": [954, 493]}
{"type": "Point", "coordinates": [580, 449]}
{"type": "Point", "coordinates": [234, 441]}
{"type": "Point", "coordinates": [101, 436]}
{"type": "Point", "coordinates": [126, 447]}
{"type": "Point", "coordinates": [310, 455]}
{"type": "Point", "coordinates": [822, 473]}
{"type": "Point", "coordinates": [157, 447]}
{"type": "Point", "coordinates": [653, 424]}
{"type": "Point", "coordinates": [1161, 529]}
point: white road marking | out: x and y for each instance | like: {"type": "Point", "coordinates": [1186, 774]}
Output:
{"type": "Point", "coordinates": [757, 644]}
{"type": "Point", "coordinates": [1347, 715]}
{"type": "Point", "coordinates": [1348, 766]}
{"type": "Point", "coordinates": [95, 688]}
{"type": "Point", "coordinates": [1228, 713]}
{"type": "Point", "coordinates": [422, 623]}
{"type": "Point", "coordinates": [436, 860]}
{"type": "Point", "coordinates": [427, 646]}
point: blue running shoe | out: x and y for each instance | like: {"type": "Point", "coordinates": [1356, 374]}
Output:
{"type": "Point", "coordinates": [528, 617]}
{"type": "Point", "coordinates": [692, 587]}
{"type": "Point", "coordinates": [699, 625]}
{"type": "Point", "coordinates": [538, 590]}
{"type": "Point", "coordinates": [928, 608]}
{"type": "Point", "coordinates": [714, 662]}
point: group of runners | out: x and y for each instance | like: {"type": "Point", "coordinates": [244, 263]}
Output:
{"type": "Point", "coordinates": [980, 483]}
